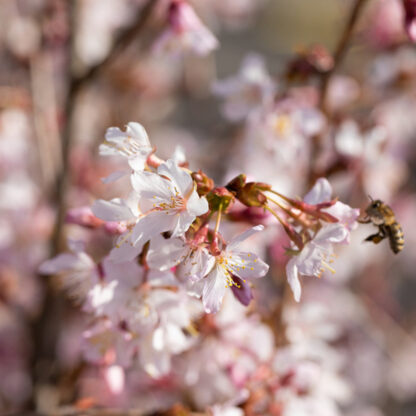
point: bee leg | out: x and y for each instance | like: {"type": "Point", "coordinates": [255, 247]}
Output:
{"type": "Point", "coordinates": [364, 220]}
{"type": "Point", "coordinates": [376, 238]}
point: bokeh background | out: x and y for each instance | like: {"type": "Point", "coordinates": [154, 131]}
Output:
{"type": "Point", "coordinates": [71, 69]}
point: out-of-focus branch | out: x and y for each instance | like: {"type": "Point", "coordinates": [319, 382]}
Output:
{"type": "Point", "coordinates": [73, 411]}
{"type": "Point", "coordinates": [341, 49]}
{"type": "Point", "coordinates": [45, 328]}
{"type": "Point", "coordinates": [75, 85]}
{"type": "Point", "coordinates": [338, 56]}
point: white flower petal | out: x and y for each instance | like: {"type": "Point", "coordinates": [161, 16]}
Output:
{"type": "Point", "coordinates": [182, 223]}
{"type": "Point", "coordinates": [124, 250]}
{"type": "Point", "coordinates": [114, 176]}
{"type": "Point", "coordinates": [155, 362]}
{"type": "Point", "coordinates": [114, 210]}
{"type": "Point", "coordinates": [138, 162]}
{"type": "Point", "coordinates": [181, 179]}
{"type": "Point", "coordinates": [150, 225]}
{"type": "Point", "coordinates": [139, 133]}
{"type": "Point", "coordinates": [321, 192]}
{"type": "Point", "coordinates": [132, 144]}
{"type": "Point", "coordinates": [243, 236]}
{"type": "Point", "coordinates": [196, 265]}
{"type": "Point", "coordinates": [165, 253]}
{"type": "Point", "coordinates": [247, 265]}
{"type": "Point", "coordinates": [197, 205]}
{"type": "Point", "coordinates": [214, 290]}
{"type": "Point", "coordinates": [345, 214]}
{"type": "Point", "coordinates": [65, 262]}
{"type": "Point", "coordinates": [175, 339]}
{"type": "Point", "coordinates": [293, 278]}
{"type": "Point", "coordinates": [151, 186]}
{"type": "Point", "coordinates": [331, 233]}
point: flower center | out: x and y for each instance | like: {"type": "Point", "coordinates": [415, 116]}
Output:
{"type": "Point", "coordinates": [223, 262]}
{"type": "Point", "coordinates": [175, 203]}
{"type": "Point", "coordinates": [128, 147]}
{"type": "Point", "coordinates": [325, 265]}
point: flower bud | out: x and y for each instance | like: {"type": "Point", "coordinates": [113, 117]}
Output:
{"type": "Point", "coordinates": [312, 61]}
{"type": "Point", "coordinates": [204, 184]}
{"type": "Point", "coordinates": [236, 184]}
{"type": "Point", "coordinates": [251, 193]}
{"type": "Point", "coordinates": [83, 216]}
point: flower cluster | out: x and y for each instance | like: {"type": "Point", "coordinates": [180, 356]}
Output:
{"type": "Point", "coordinates": [212, 268]}
{"type": "Point", "coordinates": [169, 253]}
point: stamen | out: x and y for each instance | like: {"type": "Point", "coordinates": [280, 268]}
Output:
{"type": "Point", "coordinates": [287, 210]}
{"type": "Point", "coordinates": [124, 239]}
{"type": "Point", "coordinates": [328, 267]}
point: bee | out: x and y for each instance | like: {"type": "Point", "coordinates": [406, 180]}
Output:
{"type": "Point", "coordinates": [381, 215]}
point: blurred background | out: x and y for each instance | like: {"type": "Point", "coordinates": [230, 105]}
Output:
{"type": "Point", "coordinates": [71, 69]}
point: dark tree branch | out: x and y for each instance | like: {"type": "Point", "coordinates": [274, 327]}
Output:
{"type": "Point", "coordinates": [45, 329]}
{"type": "Point", "coordinates": [76, 83]}
{"type": "Point", "coordinates": [339, 54]}
{"type": "Point", "coordinates": [341, 49]}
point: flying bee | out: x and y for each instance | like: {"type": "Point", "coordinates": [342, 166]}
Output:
{"type": "Point", "coordinates": [381, 215]}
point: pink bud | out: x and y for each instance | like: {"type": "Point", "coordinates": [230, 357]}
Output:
{"type": "Point", "coordinates": [83, 216]}
{"type": "Point", "coordinates": [112, 227]}
{"type": "Point", "coordinates": [410, 18]}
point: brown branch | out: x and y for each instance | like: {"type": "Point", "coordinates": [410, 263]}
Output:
{"type": "Point", "coordinates": [341, 49]}
{"type": "Point", "coordinates": [76, 83]}
{"type": "Point", "coordinates": [45, 329]}
{"type": "Point", "coordinates": [339, 55]}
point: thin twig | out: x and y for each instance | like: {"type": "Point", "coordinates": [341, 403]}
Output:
{"type": "Point", "coordinates": [341, 49]}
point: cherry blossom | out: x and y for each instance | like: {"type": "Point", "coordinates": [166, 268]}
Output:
{"type": "Point", "coordinates": [322, 192]}
{"type": "Point", "coordinates": [133, 144]}
{"type": "Point", "coordinates": [250, 89]}
{"type": "Point", "coordinates": [185, 32]}
{"type": "Point", "coordinates": [168, 202]}
{"type": "Point", "coordinates": [315, 256]}
{"type": "Point", "coordinates": [231, 262]}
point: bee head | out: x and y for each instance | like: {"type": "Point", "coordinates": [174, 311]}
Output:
{"type": "Point", "coordinates": [374, 211]}
{"type": "Point", "coordinates": [375, 204]}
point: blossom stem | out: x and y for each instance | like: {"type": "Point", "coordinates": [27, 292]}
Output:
{"type": "Point", "coordinates": [217, 223]}
{"type": "Point", "coordinates": [288, 212]}
{"type": "Point", "coordinates": [154, 161]}
{"type": "Point", "coordinates": [274, 214]}
{"type": "Point", "coordinates": [292, 234]}
{"type": "Point", "coordinates": [280, 195]}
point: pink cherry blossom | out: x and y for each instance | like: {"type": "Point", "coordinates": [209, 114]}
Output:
{"type": "Point", "coordinates": [133, 144]}
{"type": "Point", "coordinates": [168, 201]}
{"type": "Point", "coordinates": [231, 261]}
{"type": "Point", "coordinates": [185, 32]}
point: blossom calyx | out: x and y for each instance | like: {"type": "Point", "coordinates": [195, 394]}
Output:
{"type": "Point", "coordinates": [220, 199]}
{"type": "Point", "coordinates": [204, 184]}
{"type": "Point", "coordinates": [250, 193]}
{"type": "Point", "coordinates": [310, 61]}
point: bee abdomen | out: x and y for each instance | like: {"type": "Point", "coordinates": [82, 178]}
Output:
{"type": "Point", "coordinates": [396, 237]}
